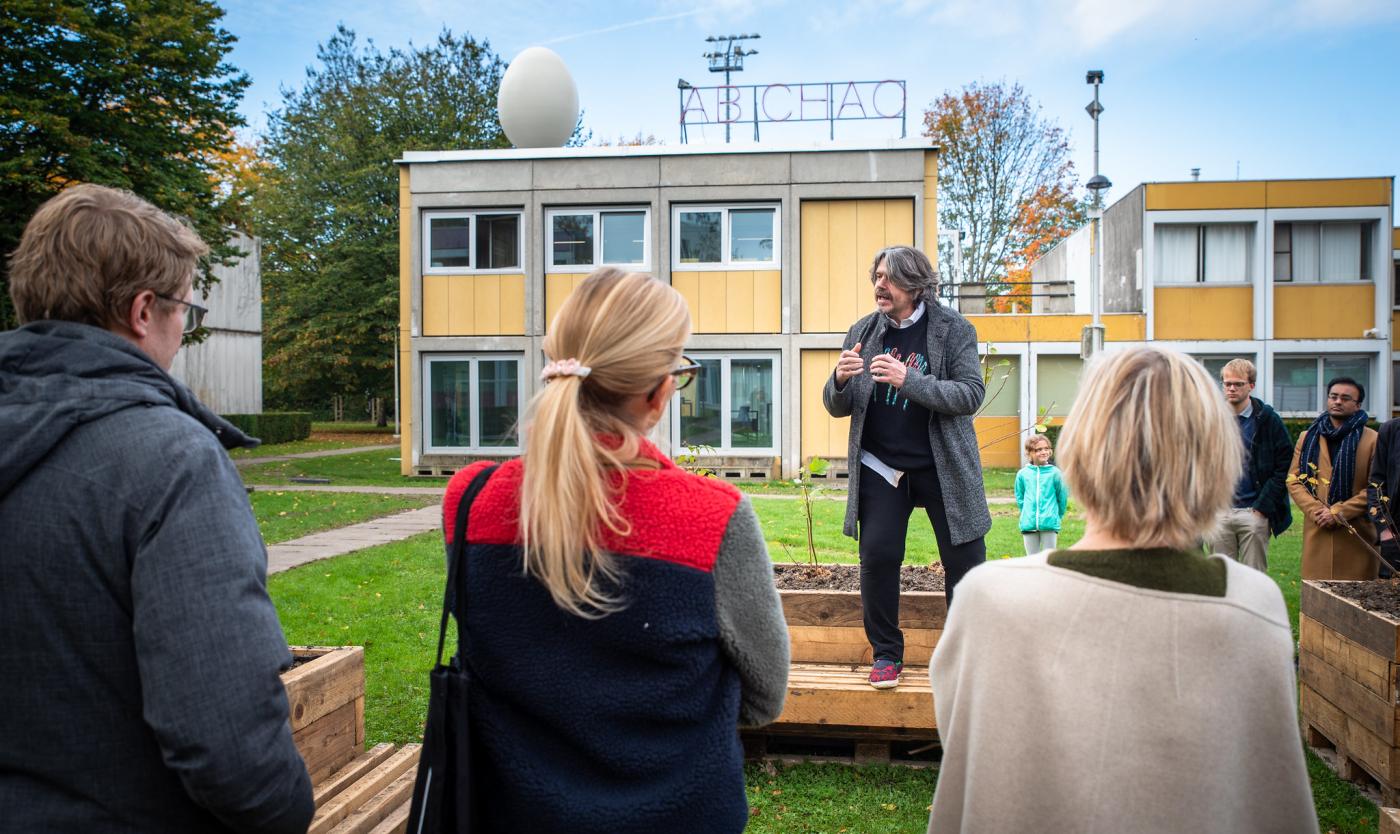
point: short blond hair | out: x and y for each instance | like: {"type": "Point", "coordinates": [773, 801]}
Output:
{"type": "Point", "coordinates": [1034, 439]}
{"type": "Point", "coordinates": [88, 252]}
{"type": "Point", "coordinates": [1239, 367]}
{"type": "Point", "coordinates": [1150, 449]}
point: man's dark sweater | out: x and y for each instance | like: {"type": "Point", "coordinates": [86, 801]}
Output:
{"type": "Point", "coordinates": [896, 430]}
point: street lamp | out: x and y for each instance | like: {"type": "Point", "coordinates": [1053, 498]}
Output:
{"type": "Point", "coordinates": [731, 59]}
{"type": "Point", "coordinates": [1092, 340]}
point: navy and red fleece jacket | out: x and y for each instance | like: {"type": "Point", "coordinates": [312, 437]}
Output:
{"type": "Point", "coordinates": [627, 723]}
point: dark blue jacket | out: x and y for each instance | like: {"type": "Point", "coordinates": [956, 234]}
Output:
{"type": "Point", "coordinates": [629, 722]}
{"type": "Point", "coordinates": [1267, 466]}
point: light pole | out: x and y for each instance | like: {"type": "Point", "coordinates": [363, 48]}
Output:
{"type": "Point", "coordinates": [730, 60]}
{"type": "Point", "coordinates": [1092, 340]}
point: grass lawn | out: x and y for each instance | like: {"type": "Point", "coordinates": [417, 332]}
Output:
{"type": "Point", "coordinates": [387, 599]}
{"type": "Point", "coordinates": [296, 447]}
{"type": "Point", "coordinates": [378, 468]}
{"type": "Point", "coordinates": [352, 427]}
{"type": "Point", "coordinates": [283, 516]}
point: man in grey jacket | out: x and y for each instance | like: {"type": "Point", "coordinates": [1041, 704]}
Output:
{"type": "Point", "coordinates": [140, 654]}
{"type": "Point", "coordinates": [909, 379]}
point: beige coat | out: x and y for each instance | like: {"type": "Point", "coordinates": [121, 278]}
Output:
{"type": "Point", "coordinates": [1334, 553]}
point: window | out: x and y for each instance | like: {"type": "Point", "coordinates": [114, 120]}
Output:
{"type": "Point", "coordinates": [1057, 382]}
{"type": "Point", "coordinates": [1214, 253]}
{"type": "Point", "coordinates": [731, 406]}
{"type": "Point", "coordinates": [1003, 397]}
{"type": "Point", "coordinates": [471, 241]}
{"type": "Point", "coordinates": [725, 237]}
{"type": "Point", "coordinates": [473, 402]}
{"type": "Point", "coordinates": [1395, 385]}
{"type": "Point", "coordinates": [1298, 380]}
{"type": "Point", "coordinates": [590, 238]}
{"type": "Point", "coordinates": [1313, 252]}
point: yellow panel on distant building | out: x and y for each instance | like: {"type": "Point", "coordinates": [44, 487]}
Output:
{"type": "Point", "coordinates": [1178, 196]}
{"type": "Point", "coordinates": [747, 301]}
{"type": "Point", "coordinates": [930, 206]}
{"type": "Point", "coordinates": [1324, 311]}
{"type": "Point", "coordinates": [1395, 238]}
{"type": "Point", "coordinates": [1118, 327]}
{"type": "Point", "coordinates": [1201, 312]}
{"type": "Point", "coordinates": [1314, 193]}
{"type": "Point", "coordinates": [473, 305]}
{"type": "Point", "coordinates": [999, 439]}
{"type": "Point", "coordinates": [822, 435]}
{"type": "Point", "coordinates": [557, 287]}
{"type": "Point", "coordinates": [838, 239]}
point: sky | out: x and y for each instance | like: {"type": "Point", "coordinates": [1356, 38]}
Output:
{"type": "Point", "coordinates": [1243, 89]}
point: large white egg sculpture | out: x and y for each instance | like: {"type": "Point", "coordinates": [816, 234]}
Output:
{"type": "Point", "coordinates": [538, 101]}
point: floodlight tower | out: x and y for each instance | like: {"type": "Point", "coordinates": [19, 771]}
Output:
{"type": "Point", "coordinates": [1092, 341]}
{"type": "Point", "coordinates": [730, 60]}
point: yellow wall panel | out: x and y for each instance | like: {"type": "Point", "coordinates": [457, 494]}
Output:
{"type": "Point", "coordinates": [732, 302]}
{"type": "Point", "coordinates": [1395, 238]}
{"type": "Point", "coordinates": [713, 307]}
{"type": "Point", "coordinates": [930, 207]}
{"type": "Point", "coordinates": [768, 302]}
{"type": "Point", "coordinates": [1314, 193]}
{"type": "Point", "coordinates": [1203, 312]}
{"type": "Point", "coordinates": [473, 305]}
{"type": "Point", "coordinates": [688, 285]}
{"type": "Point", "coordinates": [1122, 327]}
{"type": "Point", "coordinates": [738, 302]}
{"type": "Point", "coordinates": [1394, 331]}
{"type": "Point", "coordinates": [838, 239]}
{"type": "Point", "coordinates": [1324, 311]}
{"type": "Point", "coordinates": [1175, 196]}
{"type": "Point", "coordinates": [557, 287]}
{"type": "Point", "coordinates": [822, 435]}
{"type": "Point", "coordinates": [999, 440]}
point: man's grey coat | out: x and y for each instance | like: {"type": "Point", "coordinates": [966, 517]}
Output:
{"type": "Point", "coordinates": [139, 652]}
{"type": "Point", "coordinates": [952, 391]}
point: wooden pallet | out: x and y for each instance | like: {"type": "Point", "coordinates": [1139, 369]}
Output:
{"type": "Point", "coordinates": [370, 795]}
{"type": "Point", "coordinates": [839, 694]}
{"type": "Point", "coordinates": [842, 744]}
{"type": "Point", "coordinates": [326, 701]}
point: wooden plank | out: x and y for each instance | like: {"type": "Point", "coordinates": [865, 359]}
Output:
{"type": "Point", "coordinates": [1376, 673]}
{"type": "Point", "coordinates": [396, 822]}
{"type": "Point", "coordinates": [405, 761]}
{"type": "Point", "coordinates": [1357, 702]}
{"type": "Point", "coordinates": [1375, 632]}
{"type": "Point", "coordinates": [841, 694]}
{"type": "Point", "coordinates": [351, 773]}
{"type": "Point", "coordinates": [816, 268]}
{"type": "Point", "coordinates": [328, 743]}
{"type": "Point", "coordinates": [917, 609]}
{"type": "Point", "coordinates": [1321, 715]}
{"type": "Point", "coordinates": [1390, 821]}
{"type": "Point", "coordinates": [336, 677]}
{"type": "Point", "coordinates": [399, 794]}
{"type": "Point", "coordinates": [857, 733]}
{"type": "Point", "coordinates": [1351, 738]}
{"type": "Point", "coordinates": [844, 644]}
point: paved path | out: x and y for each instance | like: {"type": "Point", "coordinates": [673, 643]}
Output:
{"type": "Point", "coordinates": [343, 540]}
{"type": "Point", "coordinates": [324, 453]}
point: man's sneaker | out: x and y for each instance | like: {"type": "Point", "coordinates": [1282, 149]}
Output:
{"type": "Point", "coordinates": [885, 674]}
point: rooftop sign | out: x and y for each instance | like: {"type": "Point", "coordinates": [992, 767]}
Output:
{"type": "Point", "coordinates": [829, 101]}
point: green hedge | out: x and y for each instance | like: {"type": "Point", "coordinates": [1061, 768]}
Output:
{"type": "Point", "coordinates": [274, 426]}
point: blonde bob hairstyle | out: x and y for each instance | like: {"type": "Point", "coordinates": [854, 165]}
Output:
{"type": "Point", "coordinates": [580, 436]}
{"type": "Point", "coordinates": [1151, 449]}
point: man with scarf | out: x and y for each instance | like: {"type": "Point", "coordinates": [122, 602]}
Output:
{"type": "Point", "coordinates": [1331, 465]}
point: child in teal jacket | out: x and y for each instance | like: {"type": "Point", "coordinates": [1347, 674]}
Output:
{"type": "Point", "coordinates": [1041, 495]}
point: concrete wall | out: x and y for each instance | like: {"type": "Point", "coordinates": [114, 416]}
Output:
{"type": "Point", "coordinates": [225, 371]}
{"type": "Point", "coordinates": [1122, 254]}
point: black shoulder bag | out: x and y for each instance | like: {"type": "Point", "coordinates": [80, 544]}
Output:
{"type": "Point", "coordinates": [442, 797]}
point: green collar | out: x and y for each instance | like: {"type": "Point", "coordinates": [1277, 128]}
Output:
{"type": "Point", "coordinates": [1157, 569]}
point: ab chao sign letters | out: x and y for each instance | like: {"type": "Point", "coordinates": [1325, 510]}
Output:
{"type": "Point", "coordinates": [828, 101]}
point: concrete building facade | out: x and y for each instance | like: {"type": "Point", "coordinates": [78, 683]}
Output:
{"type": "Point", "coordinates": [225, 370]}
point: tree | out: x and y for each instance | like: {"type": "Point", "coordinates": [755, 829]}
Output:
{"type": "Point", "coordinates": [127, 93]}
{"type": "Point", "coordinates": [327, 206]}
{"type": "Point", "coordinates": [1005, 178]}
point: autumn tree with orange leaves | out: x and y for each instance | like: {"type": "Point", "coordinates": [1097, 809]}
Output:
{"type": "Point", "coordinates": [1006, 180]}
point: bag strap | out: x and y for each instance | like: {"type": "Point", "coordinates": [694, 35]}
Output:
{"type": "Point", "coordinates": [458, 556]}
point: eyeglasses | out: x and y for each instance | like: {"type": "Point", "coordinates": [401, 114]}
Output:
{"type": "Point", "coordinates": [1232, 384]}
{"type": "Point", "coordinates": [1340, 398]}
{"type": "Point", "coordinates": [194, 314]}
{"type": "Point", "coordinates": [686, 373]}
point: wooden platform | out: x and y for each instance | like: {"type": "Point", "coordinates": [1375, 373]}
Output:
{"type": "Point", "coordinates": [1390, 821]}
{"type": "Point", "coordinates": [369, 795]}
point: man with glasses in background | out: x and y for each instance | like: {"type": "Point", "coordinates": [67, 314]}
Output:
{"type": "Point", "coordinates": [1261, 496]}
{"type": "Point", "coordinates": [141, 655]}
{"type": "Point", "coordinates": [1328, 479]}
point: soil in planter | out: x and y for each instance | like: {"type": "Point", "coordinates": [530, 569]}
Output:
{"type": "Point", "coordinates": [847, 577]}
{"type": "Point", "coordinates": [1382, 596]}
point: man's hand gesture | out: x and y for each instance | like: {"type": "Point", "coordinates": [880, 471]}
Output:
{"type": "Point", "coordinates": [885, 368]}
{"type": "Point", "coordinates": [849, 365]}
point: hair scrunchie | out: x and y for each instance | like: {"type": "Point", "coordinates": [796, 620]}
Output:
{"type": "Point", "coordinates": [564, 367]}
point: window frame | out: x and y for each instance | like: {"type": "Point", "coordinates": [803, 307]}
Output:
{"type": "Point", "coordinates": [1319, 390]}
{"type": "Point", "coordinates": [726, 263]}
{"type": "Point", "coordinates": [474, 396]}
{"type": "Point", "coordinates": [1369, 229]}
{"type": "Point", "coordinates": [597, 212]}
{"type": "Point", "coordinates": [1202, 254]}
{"type": "Point", "coordinates": [726, 429]}
{"type": "Point", "coordinates": [429, 215]}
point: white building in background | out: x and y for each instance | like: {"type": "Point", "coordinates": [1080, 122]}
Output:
{"type": "Point", "coordinates": [225, 371]}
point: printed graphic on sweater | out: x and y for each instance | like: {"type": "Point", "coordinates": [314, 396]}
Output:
{"type": "Point", "coordinates": [914, 361]}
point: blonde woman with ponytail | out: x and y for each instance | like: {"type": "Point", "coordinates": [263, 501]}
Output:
{"type": "Point", "coordinates": [621, 616]}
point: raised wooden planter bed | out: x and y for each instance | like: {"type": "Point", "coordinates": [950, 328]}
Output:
{"type": "Point", "coordinates": [326, 694]}
{"type": "Point", "coordinates": [829, 699]}
{"type": "Point", "coordinates": [1349, 686]}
